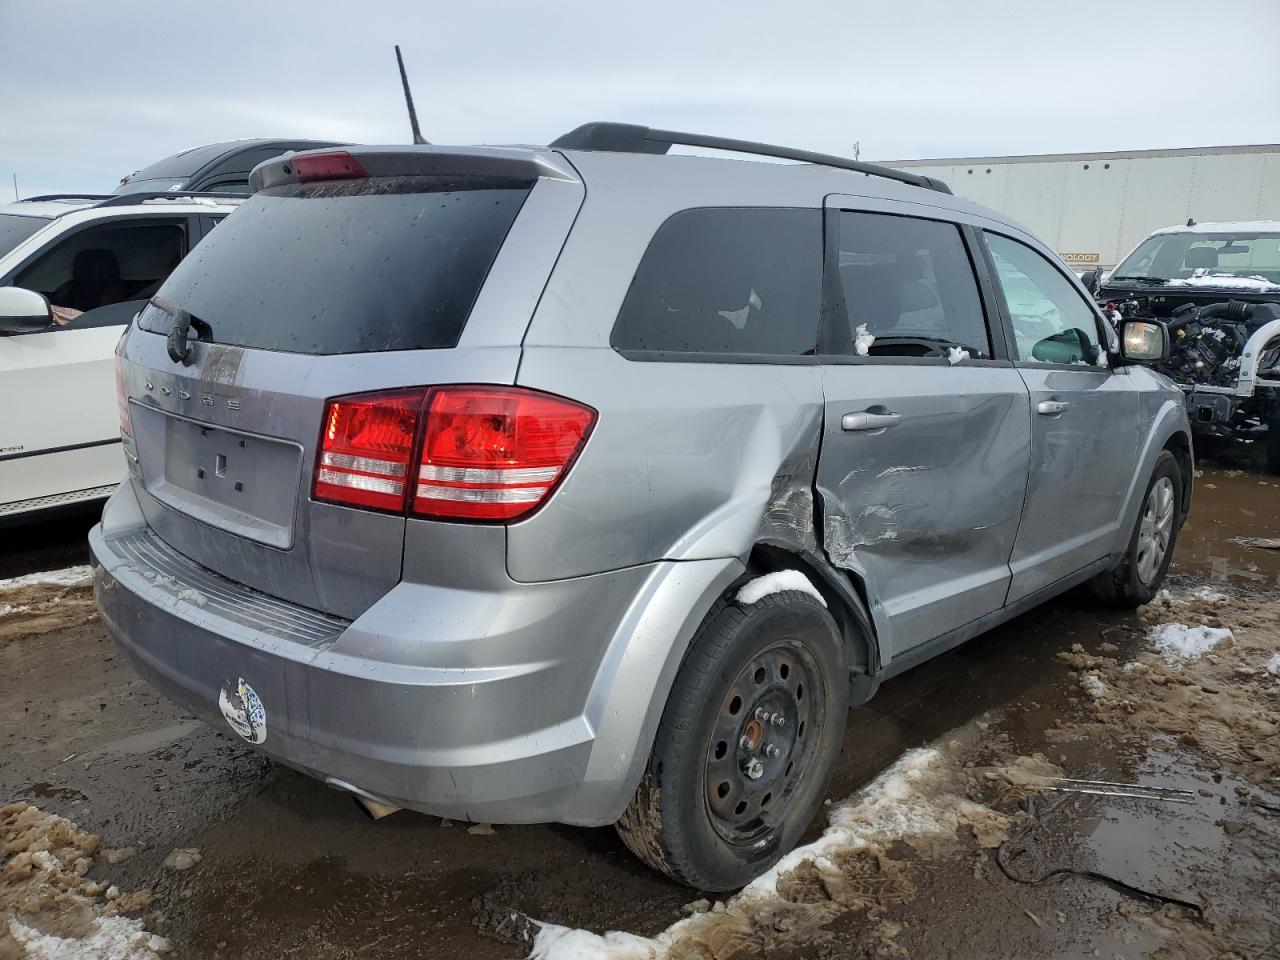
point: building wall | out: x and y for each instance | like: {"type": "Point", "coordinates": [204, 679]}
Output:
{"type": "Point", "coordinates": [1094, 208]}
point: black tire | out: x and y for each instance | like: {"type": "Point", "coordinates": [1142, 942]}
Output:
{"type": "Point", "coordinates": [1273, 435]}
{"type": "Point", "coordinates": [757, 659]}
{"type": "Point", "coordinates": [1123, 585]}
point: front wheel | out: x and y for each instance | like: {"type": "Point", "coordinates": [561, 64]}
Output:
{"type": "Point", "coordinates": [1136, 579]}
{"type": "Point", "coordinates": [745, 748]}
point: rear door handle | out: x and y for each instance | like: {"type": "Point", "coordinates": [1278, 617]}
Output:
{"type": "Point", "coordinates": [1051, 408]}
{"type": "Point", "coordinates": [869, 421]}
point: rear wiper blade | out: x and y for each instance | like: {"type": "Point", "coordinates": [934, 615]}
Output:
{"type": "Point", "coordinates": [177, 344]}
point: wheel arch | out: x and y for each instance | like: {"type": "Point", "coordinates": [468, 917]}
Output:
{"type": "Point", "coordinates": [1165, 428]}
{"type": "Point", "coordinates": [1179, 444]}
{"type": "Point", "coordinates": [846, 599]}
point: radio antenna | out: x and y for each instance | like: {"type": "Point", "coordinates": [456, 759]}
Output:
{"type": "Point", "coordinates": [408, 100]}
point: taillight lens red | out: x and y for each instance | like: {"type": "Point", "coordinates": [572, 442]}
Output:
{"type": "Point", "coordinates": [486, 453]}
{"type": "Point", "coordinates": [338, 165]}
{"type": "Point", "coordinates": [492, 453]}
{"type": "Point", "coordinates": [366, 449]}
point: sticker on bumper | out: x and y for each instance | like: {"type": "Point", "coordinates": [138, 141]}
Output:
{"type": "Point", "coordinates": [243, 711]}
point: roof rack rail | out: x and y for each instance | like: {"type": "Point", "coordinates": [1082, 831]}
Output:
{"type": "Point", "coordinates": [631, 138]}
{"type": "Point", "coordinates": [65, 196]}
{"type": "Point", "coordinates": [128, 199]}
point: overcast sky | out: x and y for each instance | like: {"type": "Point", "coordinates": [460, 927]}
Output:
{"type": "Point", "coordinates": [93, 90]}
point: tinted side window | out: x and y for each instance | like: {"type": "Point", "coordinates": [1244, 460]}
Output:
{"type": "Point", "coordinates": [1051, 322]}
{"type": "Point", "coordinates": [727, 280]}
{"type": "Point", "coordinates": [908, 284]}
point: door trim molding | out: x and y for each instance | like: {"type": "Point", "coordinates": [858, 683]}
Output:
{"type": "Point", "coordinates": [941, 644]}
{"type": "Point", "coordinates": [22, 455]}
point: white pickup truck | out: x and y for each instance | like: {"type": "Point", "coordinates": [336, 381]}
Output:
{"type": "Point", "coordinates": [95, 260]}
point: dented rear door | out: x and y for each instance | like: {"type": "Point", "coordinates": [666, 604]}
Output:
{"type": "Point", "coordinates": [924, 460]}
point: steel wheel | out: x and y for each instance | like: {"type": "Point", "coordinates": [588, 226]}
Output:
{"type": "Point", "coordinates": [764, 736]}
{"type": "Point", "coordinates": [1156, 529]}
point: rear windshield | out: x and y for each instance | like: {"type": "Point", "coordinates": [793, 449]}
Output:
{"type": "Point", "coordinates": [345, 267]}
{"type": "Point", "coordinates": [14, 229]}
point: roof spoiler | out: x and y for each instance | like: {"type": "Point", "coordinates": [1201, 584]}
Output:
{"type": "Point", "coordinates": [630, 138]}
{"type": "Point", "coordinates": [514, 165]}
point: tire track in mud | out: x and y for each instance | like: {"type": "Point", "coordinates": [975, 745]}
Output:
{"type": "Point", "coordinates": [1223, 703]}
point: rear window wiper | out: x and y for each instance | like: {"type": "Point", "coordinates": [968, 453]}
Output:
{"type": "Point", "coordinates": [177, 344]}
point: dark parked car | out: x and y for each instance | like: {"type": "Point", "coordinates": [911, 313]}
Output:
{"type": "Point", "coordinates": [215, 168]}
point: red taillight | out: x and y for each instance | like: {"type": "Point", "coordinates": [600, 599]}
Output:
{"type": "Point", "coordinates": [487, 453]}
{"type": "Point", "coordinates": [338, 165]}
{"type": "Point", "coordinates": [366, 448]}
{"type": "Point", "coordinates": [494, 453]}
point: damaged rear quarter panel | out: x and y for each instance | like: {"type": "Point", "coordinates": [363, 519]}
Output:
{"type": "Point", "coordinates": [688, 461]}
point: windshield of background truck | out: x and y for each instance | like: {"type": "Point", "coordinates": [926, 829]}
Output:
{"type": "Point", "coordinates": [1189, 256]}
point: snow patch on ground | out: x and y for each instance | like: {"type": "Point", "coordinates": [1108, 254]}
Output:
{"type": "Point", "coordinates": [1208, 595]}
{"type": "Point", "coordinates": [66, 577]}
{"type": "Point", "coordinates": [1093, 686]}
{"type": "Point", "coordinates": [771, 583]}
{"type": "Point", "coordinates": [920, 797]}
{"type": "Point", "coordinates": [895, 804]}
{"type": "Point", "coordinates": [554, 942]}
{"type": "Point", "coordinates": [49, 910]}
{"type": "Point", "coordinates": [1273, 665]}
{"type": "Point", "coordinates": [862, 340]}
{"type": "Point", "coordinates": [1177, 641]}
{"type": "Point", "coordinates": [116, 938]}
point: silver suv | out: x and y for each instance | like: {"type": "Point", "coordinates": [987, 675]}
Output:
{"type": "Point", "coordinates": [590, 484]}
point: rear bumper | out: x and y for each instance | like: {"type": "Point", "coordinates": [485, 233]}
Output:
{"type": "Point", "coordinates": [391, 705]}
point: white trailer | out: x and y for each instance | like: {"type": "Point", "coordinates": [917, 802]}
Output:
{"type": "Point", "coordinates": [1093, 208]}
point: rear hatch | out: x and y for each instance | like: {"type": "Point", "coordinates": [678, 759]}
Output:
{"type": "Point", "coordinates": [348, 274]}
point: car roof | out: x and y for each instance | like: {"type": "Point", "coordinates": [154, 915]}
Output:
{"type": "Point", "coordinates": [47, 209]}
{"type": "Point", "coordinates": [1224, 226]}
{"type": "Point", "coordinates": [759, 180]}
{"type": "Point", "coordinates": [58, 206]}
{"type": "Point", "coordinates": [186, 163]}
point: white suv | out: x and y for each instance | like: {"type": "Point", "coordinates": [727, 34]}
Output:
{"type": "Point", "coordinates": [95, 260]}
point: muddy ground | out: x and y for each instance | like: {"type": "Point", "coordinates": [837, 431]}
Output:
{"type": "Point", "coordinates": [280, 866]}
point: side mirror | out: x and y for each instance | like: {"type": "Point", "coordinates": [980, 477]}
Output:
{"type": "Point", "coordinates": [1091, 279]}
{"type": "Point", "coordinates": [23, 311]}
{"type": "Point", "coordinates": [1144, 341]}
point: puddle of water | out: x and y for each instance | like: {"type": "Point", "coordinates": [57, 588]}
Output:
{"type": "Point", "coordinates": [1229, 504]}
{"type": "Point", "coordinates": [48, 791]}
{"type": "Point", "coordinates": [148, 741]}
